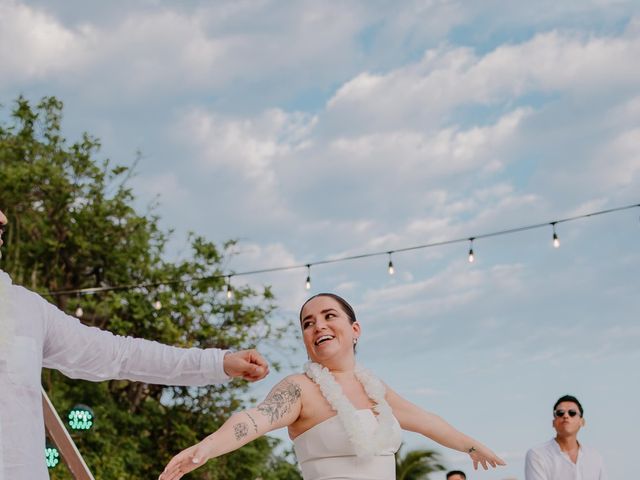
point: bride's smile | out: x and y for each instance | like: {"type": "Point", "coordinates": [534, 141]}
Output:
{"type": "Point", "coordinates": [328, 332]}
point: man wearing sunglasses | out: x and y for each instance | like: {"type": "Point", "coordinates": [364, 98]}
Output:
{"type": "Point", "coordinates": [563, 457]}
{"type": "Point", "coordinates": [35, 334]}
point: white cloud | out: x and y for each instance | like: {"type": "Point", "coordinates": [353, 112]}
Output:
{"type": "Point", "coordinates": [249, 146]}
{"type": "Point", "coordinates": [250, 150]}
{"type": "Point", "coordinates": [452, 288]}
{"type": "Point", "coordinates": [278, 158]}
{"type": "Point", "coordinates": [33, 44]}
{"type": "Point", "coordinates": [427, 156]}
{"type": "Point", "coordinates": [618, 162]}
{"type": "Point", "coordinates": [448, 77]}
{"type": "Point", "coordinates": [146, 52]}
{"type": "Point", "coordinates": [597, 152]}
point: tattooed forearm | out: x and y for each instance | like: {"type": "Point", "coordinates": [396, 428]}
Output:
{"type": "Point", "coordinates": [240, 429]}
{"type": "Point", "coordinates": [255, 425]}
{"type": "Point", "coordinates": [279, 401]}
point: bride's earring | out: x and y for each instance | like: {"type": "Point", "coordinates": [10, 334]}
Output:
{"type": "Point", "coordinates": [355, 341]}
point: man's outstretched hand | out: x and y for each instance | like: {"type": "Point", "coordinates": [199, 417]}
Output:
{"type": "Point", "coordinates": [248, 364]}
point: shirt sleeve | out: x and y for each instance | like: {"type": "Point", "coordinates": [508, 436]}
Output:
{"type": "Point", "coordinates": [89, 353]}
{"type": "Point", "coordinates": [534, 467]}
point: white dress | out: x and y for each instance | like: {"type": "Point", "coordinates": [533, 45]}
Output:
{"type": "Point", "coordinates": [324, 452]}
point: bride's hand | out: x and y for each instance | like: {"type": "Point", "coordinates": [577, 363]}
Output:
{"type": "Point", "coordinates": [186, 461]}
{"type": "Point", "coordinates": [483, 456]}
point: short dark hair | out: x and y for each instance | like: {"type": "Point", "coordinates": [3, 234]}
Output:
{"type": "Point", "coordinates": [456, 472]}
{"type": "Point", "coordinates": [569, 398]}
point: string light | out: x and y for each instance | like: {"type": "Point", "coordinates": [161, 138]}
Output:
{"type": "Point", "coordinates": [472, 257]}
{"type": "Point", "coordinates": [556, 240]}
{"type": "Point", "coordinates": [79, 312]}
{"type": "Point", "coordinates": [391, 269]}
{"type": "Point", "coordinates": [556, 243]}
{"type": "Point", "coordinates": [229, 289]}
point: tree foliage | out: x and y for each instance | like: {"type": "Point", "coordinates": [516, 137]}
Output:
{"type": "Point", "coordinates": [417, 464]}
{"type": "Point", "coordinates": [73, 225]}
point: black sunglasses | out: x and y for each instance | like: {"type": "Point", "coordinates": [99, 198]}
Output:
{"type": "Point", "coordinates": [560, 413]}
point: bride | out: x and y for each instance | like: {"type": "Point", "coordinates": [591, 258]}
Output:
{"type": "Point", "coordinates": [345, 423]}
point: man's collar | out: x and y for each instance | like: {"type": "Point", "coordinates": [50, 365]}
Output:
{"type": "Point", "coordinates": [557, 444]}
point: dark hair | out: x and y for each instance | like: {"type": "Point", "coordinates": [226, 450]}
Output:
{"type": "Point", "coordinates": [456, 472]}
{"type": "Point", "coordinates": [346, 308]}
{"type": "Point", "coordinates": [569, 398]}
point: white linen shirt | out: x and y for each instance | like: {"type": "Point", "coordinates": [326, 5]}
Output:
{"type": "Point", "coordinates": [548, 462]}
{"type": "Point", "coordinates": [36, 334]}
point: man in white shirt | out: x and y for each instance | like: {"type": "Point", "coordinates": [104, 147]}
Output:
{"type": "Point", "coordinates": [563, 457]}
{"type": "Point", "coordinates": [36, 334]}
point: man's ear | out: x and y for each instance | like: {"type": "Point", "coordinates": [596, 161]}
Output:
{"type": "Point", "coordinates": [584, 422]}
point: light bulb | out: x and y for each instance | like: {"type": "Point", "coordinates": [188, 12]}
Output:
{"type": "Point", "coordinates": [472, 257]}
{"type": "Point", "coordinates": [79, 312]}
{"type": "Point", "coordinates": [229, 288]}
{"type": "Point", "coordinates": [157, 305]}
{"type": "Point", "coordinates": [308, 283]}
{"type": "Point", "coordinates": [52, 455]}
{"type": "Point", "coordinates": [81, 417]}
{"type": "Point", "coordinates": [391, 269]}
{"type": "Point", "coordinates": [556, 240]}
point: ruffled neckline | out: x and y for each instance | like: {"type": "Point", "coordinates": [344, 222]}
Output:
{"type": "Point", "coordinates": [364, 445]}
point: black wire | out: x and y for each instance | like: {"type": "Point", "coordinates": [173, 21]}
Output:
{"type": "Point", "coordinates": [308, 265]}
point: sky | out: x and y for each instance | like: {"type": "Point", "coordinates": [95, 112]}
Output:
{"type": "Point", "coordinates": [316, 130]}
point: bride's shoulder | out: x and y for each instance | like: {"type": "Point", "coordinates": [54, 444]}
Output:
{"type": "Point", "coordinates": [300, 379]}
{"type": "Point", "coordinates": [297, 381]}
{"type": "Point", "coordinates": [306, 388]}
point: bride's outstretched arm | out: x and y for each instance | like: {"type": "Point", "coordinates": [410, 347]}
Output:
{"type": "Point", "coordinates": [416, 419]}
{"type": "Point", "coordinates": [280, 409]}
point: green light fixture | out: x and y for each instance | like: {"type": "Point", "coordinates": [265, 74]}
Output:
{"type": "Point", "coordinates": [51, 455]}
{"type": "Point", "coordinates": [81, 417]}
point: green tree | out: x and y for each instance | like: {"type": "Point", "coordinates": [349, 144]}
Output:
{"type": "Point", "coordinates": [417, 464]}
{"type": "Point", "coordinates": [73, 225]}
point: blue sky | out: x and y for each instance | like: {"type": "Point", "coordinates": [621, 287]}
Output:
{"type": "Point", "coordinates": [312, 130]}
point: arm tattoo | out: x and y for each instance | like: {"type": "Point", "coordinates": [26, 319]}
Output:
{"type": "Point", "coordinates": [240, 429]}
{"type": "Point", "coordinates": [279, 401]}
{"type": "Point", "coordinates": [255, 425]}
